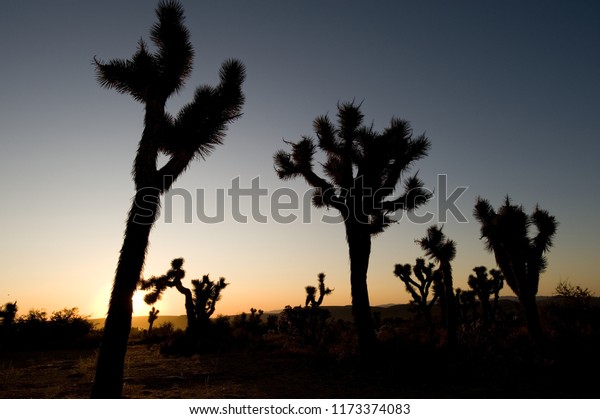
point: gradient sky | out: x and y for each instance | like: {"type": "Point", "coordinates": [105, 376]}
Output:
{"type": "Point", "coordinates": [507, 92]}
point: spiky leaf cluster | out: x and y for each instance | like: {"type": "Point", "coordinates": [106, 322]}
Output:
{"type": "Point", "coordinates": [437, 246]}
{"type": "Point", "coordinates": [156, 285]}
{"type": "Point", "coordinates": [362, 167]}
{"type": "Point", "coordinates": [206, 294]}
{"type": "Point", "coordinates": [419, 289]}
{"type": "Point", "coordinates": [520, 256]}
{"type": "Point", "coordinates": [483, 285]}
{"type": "Point", "coordinates": [152, 77]}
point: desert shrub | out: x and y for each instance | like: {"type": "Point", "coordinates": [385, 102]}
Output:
{"type": "Point", "coordinates": [309, 323]}
{"type": "Point", "coordinates": [573, 320]}
{"type": "Point", "coordinates": [65, 328]}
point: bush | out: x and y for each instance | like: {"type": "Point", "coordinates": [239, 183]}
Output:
{"type": "Point", "coordinates": [65, 328]}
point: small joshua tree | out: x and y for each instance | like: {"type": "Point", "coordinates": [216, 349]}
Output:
{"type": "Point", "coordinates": [439, 248]}
{"type": "Point", "coordinates": [152, 316]}
{"type": "Point", "coordinates": [484, 287]}
{"type": "Point", "coordinates": [465, 301]}
{"type": "Point", "coordinates": [521, 257]}
{"type": "Point", "coordinates": [199, 304]}
{"type": "Point", "coordinates": [308, 321]}
{"type": "Point", "coordinates": [311, 292]}
{"type": "Point", "coordinates": [419, 289]}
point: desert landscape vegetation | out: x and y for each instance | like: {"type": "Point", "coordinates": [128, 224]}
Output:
{"type": "Point", "coordinates": [495, 339]}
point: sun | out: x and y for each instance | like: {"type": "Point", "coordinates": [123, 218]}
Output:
{"type": "Point", "coordinates": [140, 308]}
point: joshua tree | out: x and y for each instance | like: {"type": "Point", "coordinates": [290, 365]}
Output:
{"type": "Point", "coordinates": [437, 246]}
{"type": "Point", "coordinates": [419, 289]}
{"type": "Point", "coordinates": [363, 168]}
{"type": "Point", "coordinates": [465, 302]}
{"type": "Point", "coordinates": [519, 256]}
{"type": "Point", "coordinates": [199, 304]}
{"type": "Point", "coordinates": [312, 291]}
{"type": "Point", "coordinates": [152, 316]}
{"type": "Point", "coordinates": [151, 78]}
{"type": "Point", "coordinates": [484, 287]}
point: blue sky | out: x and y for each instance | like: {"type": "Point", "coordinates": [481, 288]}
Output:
{"type": "Point", "coordinates": [507, 92]}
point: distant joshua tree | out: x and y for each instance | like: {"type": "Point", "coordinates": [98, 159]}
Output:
{"type": "Point", "coordinates": [311, 292]}
{"type": "Point", "coordinates": [151, 78]}
{"type": "Point", "coordinates": [419, 289]}
{"type": "Point", "coordinates": [521, 258]}
{"type": "Point", "coordinates": [484, 287]}
{"type": "Point", "coordinates": [152, 316]}
{"type": "Point", "coordinates": [437, 246]}
{"type": "Point", "coordinates": [363, 168]}
{"type": "Point", "coordinates": [200, 302]}
{"type": "Point", "coordinates": [465, 302]}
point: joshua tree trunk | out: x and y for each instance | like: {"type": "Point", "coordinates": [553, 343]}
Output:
{"type": "Point", "coordinates": [190, 309]}
{"type": "Point", "coordinates": [359, 245]}
{"type": "Point", "coordinates": [532, 317]}
{"type": "Point", "coordinates": [111, 359]}
{"type": "Point", "coordinates": [451, 314]}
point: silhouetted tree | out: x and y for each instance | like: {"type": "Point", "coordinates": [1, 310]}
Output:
{"type": "Point", "coordinates": [571, 292]}
{"type": "Point", "coordinates": [311, 292]}
{"type": "Point", "coordinates": [520, 257]}
{"type": "Point", "coordinates": [437, 246]}
{"type": "Point", "coordinates": [419, 289]}
{"type": "Point", "coordinates": [363, 168]}
{"type": "Point", "coordinates": [8, 314]}
{"type": "Point", "coordinates": [151, 78]}
{"type": "Point", "coordinates": [250, 324]}
{"type": "Point", "coordinates": [484, 287]}
{"type": "Point", "coordinates": [200, 301]}
{"type": "Point", "coordinates": [465, 301]}
{"type": "Point", "coordinates": [152, 316]}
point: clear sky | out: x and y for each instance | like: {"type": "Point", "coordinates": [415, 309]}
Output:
{"type": "Point", "coordinates": [507, 92]}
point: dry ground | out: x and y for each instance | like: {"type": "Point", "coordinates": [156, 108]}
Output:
{"type": "Point", "coordinates": [241, 374]}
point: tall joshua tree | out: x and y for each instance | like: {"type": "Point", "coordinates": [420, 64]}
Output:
{"type": "Point", "coordinates": [200, 301]}
{"type": "Point", "coordinates": [521, 258]}
{"type": "Point", "coordinates": [151, 78]}
{"type": "Point", "coordinates": [437, 246]}
{"type": "Point", "coordinates": [362, 170]}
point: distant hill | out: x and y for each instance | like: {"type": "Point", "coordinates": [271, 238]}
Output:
{"type": "Point", "coordinates": [141, 322]}
{"type": "Point", "coordinates": [508, 304]}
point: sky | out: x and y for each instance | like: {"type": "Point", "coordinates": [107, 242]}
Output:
{"type": "Point", "coordinates": [507, 92]}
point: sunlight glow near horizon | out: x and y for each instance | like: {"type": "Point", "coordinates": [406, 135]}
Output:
{"type": "Point", "coordinates": [507, 94]}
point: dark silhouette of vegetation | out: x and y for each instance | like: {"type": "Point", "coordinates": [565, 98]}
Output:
{"type": "Point", "coordinates": [200, 301]}
{"type": "Point", "coordinates": [363, 168]}
{"type": "Point", "coordinates": [437, 246]}
{"type": "Point", "coordinates": [420, 288]}
{"type": "Point", "coordinates": [151, 78]}
{"type": "Point", "coordinates": [521, 258]}
{"type": "Point", "coordinates": [484, 287]}
{"type": "Point", "coordinates": [311, 292]}
{"type": "Point", "coordinates": [152, 316]}
{"type": "Point", "coordinates": [575, 319]}
{"type": "Point", "coordinates": [64, 328]}
{"type": "Point", "coordinates": [466, 303]}
{"type": "Point", "coordinates": [8, 314]}
{"type": "Point", "coordinates": [572, 292]}
{"type": "Point", "coordinates": [308, 322]}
